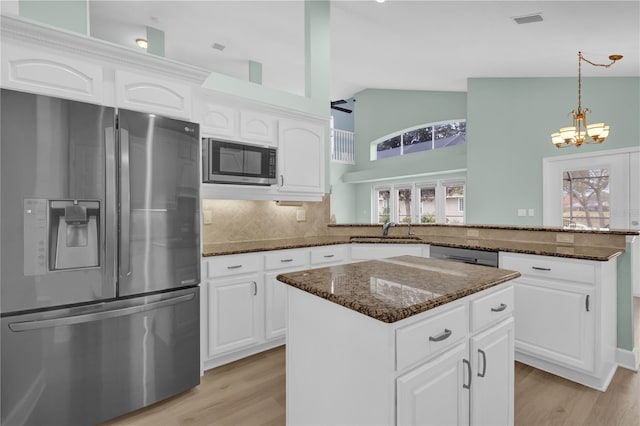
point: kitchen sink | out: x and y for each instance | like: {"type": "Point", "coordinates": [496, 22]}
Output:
{"type": "Point", "coordinates": [384, 239]}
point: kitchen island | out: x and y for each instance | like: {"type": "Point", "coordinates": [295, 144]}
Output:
{"type": "Point", "coordinates": [403, 340]}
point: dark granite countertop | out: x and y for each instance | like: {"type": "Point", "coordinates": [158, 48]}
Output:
{"type": "Point", "coordinates": [396, 288]}
{"type": "Point", "coordinates": [558, 250]}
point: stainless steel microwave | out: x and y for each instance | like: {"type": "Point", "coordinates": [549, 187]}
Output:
{"type": "Point", "coordinates": [238, 163]}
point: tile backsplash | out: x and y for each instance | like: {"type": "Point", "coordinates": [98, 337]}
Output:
{"type": "Point", "coordinates": [244, 220]}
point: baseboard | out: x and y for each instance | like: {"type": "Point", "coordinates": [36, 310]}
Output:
{"type": "Point", "coordinates": [628, 359]}
{"type": "Point", "coordinates": [243, 353]}
{"type": "Point", "coordinates": [600, 383]}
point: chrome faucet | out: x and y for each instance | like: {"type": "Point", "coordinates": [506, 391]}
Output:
{"type": "Point", "coordinates": [385, 228]}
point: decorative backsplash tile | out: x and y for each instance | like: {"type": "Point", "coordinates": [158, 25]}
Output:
{"type": "Point", "coordinates": [245, 220]}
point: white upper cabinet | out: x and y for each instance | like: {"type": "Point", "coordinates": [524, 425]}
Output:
{"type": "Point", "coordinates": [258, 127]}
{"type": "Point", "coordinates": [301, 157]}
{"type": "Point", "coordinates": [217, 120]}
{"type": "Point", "coordinates": [150, 94]}
{"type": "Point", "coordinates": [33, 70]}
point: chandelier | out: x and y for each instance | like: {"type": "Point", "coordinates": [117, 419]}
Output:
{"type": "Point", "coordinates": [576, 134]}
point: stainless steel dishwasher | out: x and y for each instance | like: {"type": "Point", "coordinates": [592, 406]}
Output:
{"type": "Point", "coordinates": [464, 255]}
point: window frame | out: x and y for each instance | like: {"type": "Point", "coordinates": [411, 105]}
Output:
{"type": "Point", "coordinates": [374, 145]}
{"type": "Point", "coordinates": [439, 185]}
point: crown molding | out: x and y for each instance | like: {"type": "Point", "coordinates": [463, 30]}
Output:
{"type": "Point", "coordinates": [17, 28]}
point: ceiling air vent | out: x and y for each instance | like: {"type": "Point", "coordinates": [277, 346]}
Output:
{"type": "Point", "coordinates": [528, 19]}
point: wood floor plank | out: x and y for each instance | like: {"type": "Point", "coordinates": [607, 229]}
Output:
{"type": "Point", "coordinates": [251, 392]}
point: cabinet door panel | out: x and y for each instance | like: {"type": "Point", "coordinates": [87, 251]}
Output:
{"type": "Point", "coordinates": [275, 306]}
{"type": "Point", "coordinates": [234, 314]}
{"type": "Point", "coordinates": [301, 157]}
{"type": "Point", "coordinates": [433, 393]}
{"type": "Point", "coordinates": [493, 375]}
{"type": "Point", "coordinates": [553, 322]}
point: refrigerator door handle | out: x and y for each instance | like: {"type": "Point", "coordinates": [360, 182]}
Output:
{"type": "Point", "coordinates": [111, 226]}
{"type": "Point", "coordinates": [125, 205]}
{"type": "Point", "coordinates": [97, 316]}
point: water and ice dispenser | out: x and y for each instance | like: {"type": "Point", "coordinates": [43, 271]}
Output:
{"type": "Point", "coordinates": [60, 235]}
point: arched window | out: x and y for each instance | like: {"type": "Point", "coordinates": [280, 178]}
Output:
{"type": "Point", "coordinates": [425, 137]}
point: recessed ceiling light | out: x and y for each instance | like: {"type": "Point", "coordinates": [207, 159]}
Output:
{"type": "Point", "coordinates": [142, 43]}
{"type": "Point", "coordinates": [379, 1]}
{"type": "Point", "coordinates": [218, 46]}
{"type": "Point", "coordinates": [528, 19]}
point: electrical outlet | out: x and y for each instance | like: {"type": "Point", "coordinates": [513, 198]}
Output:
{"type": "Point", "coordinates": [301, 215]}
{"type": "Point", "coordinates": [207, 217]}
{"type": "Point", "coordinates": [564, 238]}
{"type": "Point", "coordinates": [531, 212]}
{"type": "Point", "coordinates": [473, 232]}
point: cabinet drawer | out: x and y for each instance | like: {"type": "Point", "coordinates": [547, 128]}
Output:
{"type": "Point", "coordinates": [546, 267]}
{"type": "Point", "coordinates": [286, 259]}
{"type": "Point", "coordinates": [417, 341]}
{"type": "Point", "coordinates": [491, 308]}
{"type": "Point", "coordinates": [233, 265]}
{"type": "Point", "coordinates": [328, 254]}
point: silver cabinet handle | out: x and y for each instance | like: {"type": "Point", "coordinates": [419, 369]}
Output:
{"type": "Point", "coordinates": [468, 385]}
{"type": "Point", "coordinates": [255, 288]}
{"type": "Point", "coordinates": [281, 180]}
{"type": "Point", "coordinates": [538, 268]}
{"type": "Point", "coordinates": [500, 308]}
{"type": "Point", "coordinates": [286, 260]}
{"type": "Point", "coordinates": [484, 363]}
{"type": "Point", "coordinates": [440, 337]}
{"type": "Point", "coordinates": [234, 266]}
{"type": "Point", "coordinates": [327, 256]}
{"type": "Point", "coordinates": [586, 303]}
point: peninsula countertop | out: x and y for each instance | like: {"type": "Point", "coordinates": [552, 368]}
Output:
{"type": "Point", "coordinates": [396, 288]}
{"type": "Point", "coordinates": [544, 249]}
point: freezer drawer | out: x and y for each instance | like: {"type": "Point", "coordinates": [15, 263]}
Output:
{"type": "Point", "coordinates": [84, 365]}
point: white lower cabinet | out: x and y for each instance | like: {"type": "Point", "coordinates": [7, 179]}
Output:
{"type": "Point", "coordinates": [275, 324]}
{"type": "Point", "coordinates": [433, 394]}
{"type": "Point", "coordinates": [565, 316]}
{"type": "Point", "coordinates": [492, 383]}
{"type": "Point", "coordinates": [235, 309]}
{"type": "Point", "coordinates": [472, 383]}
{"type": "Point", "coordinates": [452, 365]}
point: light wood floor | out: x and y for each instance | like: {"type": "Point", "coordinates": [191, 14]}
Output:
{"type": "Point", "coordinates": [251, 392]}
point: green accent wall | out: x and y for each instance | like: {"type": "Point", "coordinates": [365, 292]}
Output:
{"type": "Point", "coordinates": [155, 40]}
{"type": "Point", "coordinates": [378, 113]}
{"type": "Point", "coordinates": [255, 72]}
{"type": "Point", "coordinates": [509, 122]}
{"type": "Point", "coordinates": [625, 298]}
{"type": "Point", "coordinates": [69, 14]}
{"type": "Point", "coordinates": [317, 71]}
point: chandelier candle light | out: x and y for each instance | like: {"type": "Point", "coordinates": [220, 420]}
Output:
{"type": "Point", "coordinates": [577, 134]}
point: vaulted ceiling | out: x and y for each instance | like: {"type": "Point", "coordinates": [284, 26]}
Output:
{"type": "Point", "coordinates": [413, 45]}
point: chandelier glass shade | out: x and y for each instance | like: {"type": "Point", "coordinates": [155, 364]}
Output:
{"type": "Point", "coordinates": [580, 132]}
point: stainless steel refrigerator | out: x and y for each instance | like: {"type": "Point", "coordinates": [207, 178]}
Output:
{"type": "Point", "coordinates": [99, 260]}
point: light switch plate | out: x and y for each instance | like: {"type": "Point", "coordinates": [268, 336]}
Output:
{"type": "Point", "coordinates": [522, 212]}
{"type": "Point", "coordinates": [301, 216]}
{"type": "Point", "coordinates": [531, 212]}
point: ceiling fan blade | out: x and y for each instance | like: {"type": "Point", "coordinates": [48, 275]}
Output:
{"type": "Point", "coordinates": [348, 111]}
